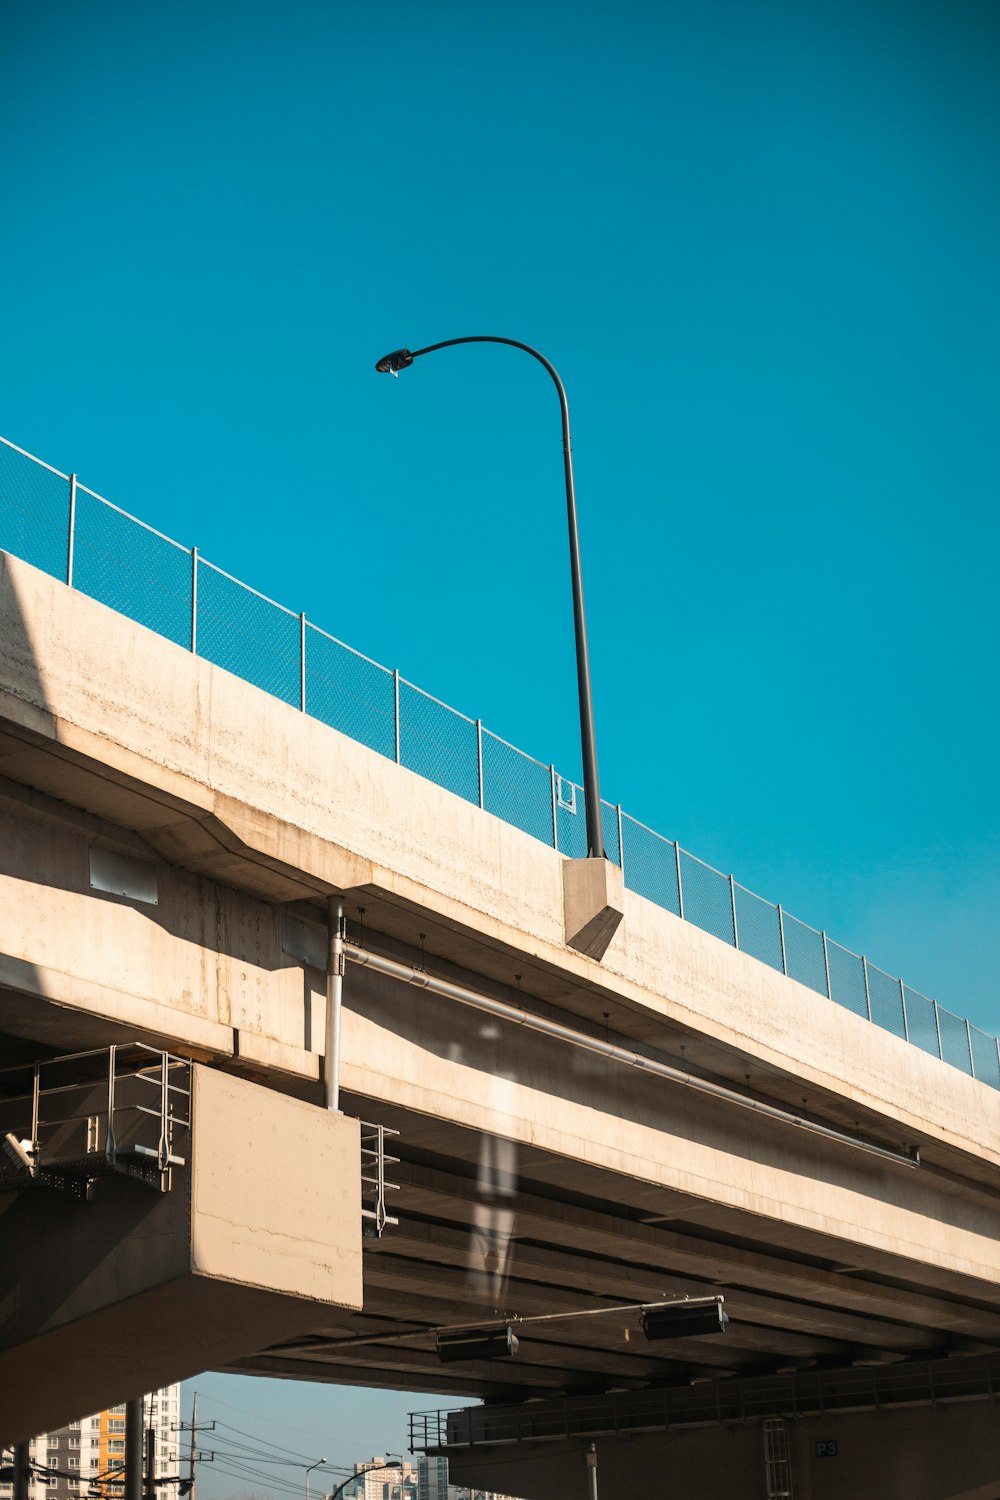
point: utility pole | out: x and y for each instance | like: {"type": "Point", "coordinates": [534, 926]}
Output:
{"type": "Point", "coordinates": [187, 1485]}
{"type": "Point", "coordinates": [194, 1440]}
{"type": "Point", "coordinates": [151, 1459]}
{"type": "Point", "coordinates": [22, 1454]}
{"type": "Point", "coordinates": [133, 1448]}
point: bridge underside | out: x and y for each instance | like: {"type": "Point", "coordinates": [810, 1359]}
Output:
{"type": "Point", "coordinates": [942, 1449]}
{"type": "Point", "coordinates": [535, 1178]}
{"type": "Point", "coordinates": [492, 1228]}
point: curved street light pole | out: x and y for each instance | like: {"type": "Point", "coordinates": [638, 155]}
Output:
{"type": "Point", "coordinates": [374, 1468]}
{"type": "Point", "coordinates": [309, 1468]}
{"type": "Point", "coordinates": [400, 359]}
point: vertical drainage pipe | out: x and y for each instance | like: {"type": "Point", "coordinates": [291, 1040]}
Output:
{"type": "Point", "coordinates": [334, 999]}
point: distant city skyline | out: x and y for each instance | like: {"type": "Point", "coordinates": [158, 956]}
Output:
{"type": "Point", "coordinates": [262, 1458]}
{"type": "Point", "coordinates": [252, 1426]}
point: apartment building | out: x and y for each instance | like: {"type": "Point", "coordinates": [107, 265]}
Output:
{"type": "Point", "coordinates": [84, 1461]}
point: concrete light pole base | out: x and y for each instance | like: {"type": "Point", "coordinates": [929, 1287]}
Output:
{"type": "Point", "coordinates": [593, 904]}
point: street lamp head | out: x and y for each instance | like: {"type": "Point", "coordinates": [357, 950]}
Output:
{"type": "Point", "coordinates": [391, 364]}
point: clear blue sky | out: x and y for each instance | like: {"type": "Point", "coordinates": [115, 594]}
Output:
{"type": "Point", "coordinates": [759, 240]}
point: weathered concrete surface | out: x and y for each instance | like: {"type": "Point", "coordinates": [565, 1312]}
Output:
{"type": "Point", "coordinates": [260, 1233]}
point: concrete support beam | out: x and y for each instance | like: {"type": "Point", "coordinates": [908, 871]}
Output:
{"type": "Point", "coordinates": [260, 1232]}
{"type": "Point", "coordinates": [593, 904]}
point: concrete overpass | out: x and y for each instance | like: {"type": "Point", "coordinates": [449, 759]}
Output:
{"type": "Point", "coordinates": [574, 1132]}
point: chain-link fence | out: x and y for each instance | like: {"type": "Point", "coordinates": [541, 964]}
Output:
{"type": "Point", "coordinates": [67, 530]}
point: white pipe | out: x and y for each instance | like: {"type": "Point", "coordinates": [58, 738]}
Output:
{"type": "Point", "coordinates": [518, 1017]}
{"type": "Point", "coordinates": [334, 1000]}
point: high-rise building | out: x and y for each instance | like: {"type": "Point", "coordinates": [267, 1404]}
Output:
{"type": "Point", "coordinates": [432, 1484]}
{"type": "Point", "coordinates": [375, 1481]}
{"type": "Point", "coordinates": [426, 1480]}
{"type": "Point", "coordinates": [432, 1478]}
{"type": "Point", "coordinates": [85, 1460]}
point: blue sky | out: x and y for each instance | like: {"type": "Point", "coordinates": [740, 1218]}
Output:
{"type": "Point", "coordinates": [759, 241]}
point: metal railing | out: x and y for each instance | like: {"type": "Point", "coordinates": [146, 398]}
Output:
{"type": "Point", "coordinates": [67, 1120]}
{"type": "Point", "coordinates": [374, 1187]}
{"type": "Point", "coordinates": [52, 521]}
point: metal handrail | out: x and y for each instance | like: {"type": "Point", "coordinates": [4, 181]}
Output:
{"type": "Point", "coordinates": [122, 1064]}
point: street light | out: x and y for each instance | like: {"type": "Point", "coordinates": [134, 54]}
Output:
{"type": "Point", "coordinates": [401, 359]}
{"type": "Point", "coordinates": [393, 1463]}
{"type": "Point", "coordinates": [319, 1462]}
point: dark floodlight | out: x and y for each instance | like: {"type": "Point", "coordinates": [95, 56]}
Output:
{"type": "Point", "coordinates": [477, 1343]}
{"type": "Point", "coordinates": [391, 364]}
{"type": "Point", "coordinates": [684, 1320]}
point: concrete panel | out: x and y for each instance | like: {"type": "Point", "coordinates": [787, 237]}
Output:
{"type": "Point", "coordinates": [277, 1192]}
{"type": "Point", "coordinates": [261, 1231]}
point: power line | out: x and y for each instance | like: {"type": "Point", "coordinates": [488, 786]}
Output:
{"type": "Point", "coordinates": [256, 1416]}
{"type": "Point", "coordinates": [254, 1476]}
{"type": "Point", "coordinates": [295, 1455]}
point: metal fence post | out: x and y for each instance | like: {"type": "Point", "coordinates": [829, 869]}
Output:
{"type": "Point", "coordinates": [479, 762]}
{"type": "Point", "coordinates": [732, 902]}
{"type": "Point", "coordinates": [72, 530]}
{"type": "Point", "coordinates": [906, 1022]}
{"type": "Point", "coordinates": [194, 598]}
{"type": "Point", "coordinates": [395, 692]}
{"type": "Point", "coordinates": [826, 966]}
{"type": "Point", "coordinates": [163, 1151]}
{"type": "Point", "coordinates": [111, 1145]}
{"type": "Point", "coordinates": [36, 1088]}
{"type": "Point", "coordinates": [781, 939]}
{"type": "Point", "coordinates": [868, 993]}
{"type": "Point", "coordinates": [937, 1028]}
{"type": "Point", "coordinates": [302, 661]}
{"type": "Point", "coordinates": [968, 1038]}
{"type": "Point", "coordinates": [621, 840]}
{"type": "Point", "coordinates": [680, 883]}
{"type": "Point", "coordinates": [555, 822]}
